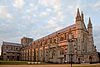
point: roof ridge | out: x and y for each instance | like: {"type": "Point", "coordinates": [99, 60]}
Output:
{"type": "Point", "coordinates": [55, 32]}
{"type": "Point", "coordinates": [10, 43]}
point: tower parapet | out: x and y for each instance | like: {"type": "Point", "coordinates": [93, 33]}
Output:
{"type": "Point", "coordinates": [26, 40]}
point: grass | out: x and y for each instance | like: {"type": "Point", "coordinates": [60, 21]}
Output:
{"type": "Point", "coordinates": [20, 62]}
{"type": "Point", "coordinates": [28, 62]}
{"type": "Point", "coordinates": [86, 66]}
{"type": "Point", "coordinates": [13, 62]}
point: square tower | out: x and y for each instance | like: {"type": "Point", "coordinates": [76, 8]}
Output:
{"type": "Point", "coordinates": [26, 40]}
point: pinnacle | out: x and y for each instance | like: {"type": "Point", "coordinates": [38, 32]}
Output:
{"type": "Point", "coordinates": [89, 21]}
{"type": "Point", "coordinates": [78, 17]}
{"type": "Point", "coordinates": [78, 13]}
{"type": "Point", "coordinates": [82, 19]}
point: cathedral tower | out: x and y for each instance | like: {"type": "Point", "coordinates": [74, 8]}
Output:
{"type": "Point", "coordinates": [91, 42]}
{"type": "Point", "coordinates": [79, 30]}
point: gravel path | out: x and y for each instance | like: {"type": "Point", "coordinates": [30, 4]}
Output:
{"type": "Point", "coordinates": [51, 65]}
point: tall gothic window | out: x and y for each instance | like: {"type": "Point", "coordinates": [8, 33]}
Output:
{"type": "Point", "coordinates": [7, 47]}
{"type": "Point", "coordinates": [61, 52]}
{"type": "Point", "coordinates": [41, 44]}
{"type": "Point", "coordinates": [61, 39]}
{"type": "Point", "coordinates": [65, 36]}
{"type": "Point", "coordinates": [46, 42]}
{"type": "Point", "coordinates": [50, 40]}
{"type": "Point", "coordinates": [54, 40]}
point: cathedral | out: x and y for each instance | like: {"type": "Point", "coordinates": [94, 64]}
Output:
{"type": "Point", "coordinates": [72, 44]}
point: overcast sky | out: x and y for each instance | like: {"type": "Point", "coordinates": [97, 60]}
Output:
{"type": "Point", "coordinates": [38, 18]}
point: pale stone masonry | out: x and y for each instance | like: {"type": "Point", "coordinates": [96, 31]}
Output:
{"type": "Point", "coordinates": [57, 47]}
{"type": "Point", "coordinates": [11, 51]}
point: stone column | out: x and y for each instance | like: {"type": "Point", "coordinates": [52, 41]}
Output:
{"type": "Point", "coordinates": [31, 53]}
{"type": "Point", "coordinates": [38, 52]}
{"type": "Point", "coordinates": [57, 47]}
{"type": "Point", "coordinates": [43, 52]}
{"type": "Point", "coordinates": [25, 53]}
{"type": "Point", "coordinates": [34, 54]}
{"type": "Point", "coordinates": [49, 51]}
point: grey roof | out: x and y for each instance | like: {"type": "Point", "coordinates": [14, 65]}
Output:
{"type": "Point", "coordinates": [9, 43]}
{"type": "Point", "coordinates": [13, 51]}
{"type": "Point", "coordinates": [59, 31]}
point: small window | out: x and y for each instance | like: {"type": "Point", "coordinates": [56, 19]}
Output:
{"type": "Point", "coordinates": [61, 39]}
{"type": "Point", "coordinates": [46, 42]}
{"type": "Point", "coordinates": [4, 54]}
{"type": "Point", "coordinates": [16, 48]}
{"type": "Point", "coordinates": [6, 47]}
{"type": "Point", "coordinates": [41, 44]}
{"type": "Point", "coordinates": [54, 40]}
{"type": "Point", "coordinates": [65, 36]}
{"type": "Point", "coordinates": [50, 40]}
{"type": "Point", "coordinates": [8, 57]}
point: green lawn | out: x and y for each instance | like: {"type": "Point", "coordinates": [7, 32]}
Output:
{"type": "Point", "coordinates": [86, 66]}
{"type": "Point", "coordinates": [13, 62]}
{"type": "Point", "coordinates": [20, 62]}
{"type": "Point", "coordinates": [35, 64]}
{"type": "Point", "coordinates": [49, 65]}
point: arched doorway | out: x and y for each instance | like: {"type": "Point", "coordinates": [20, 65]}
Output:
{"type": "Point", "coordinates": [7, 58]}
{"type": "Point", "coordinates": [90, 59]}
{"type": "Point", "coordinates": [79, 60]}
{"type": "Point", "coordinates": [17, 58]}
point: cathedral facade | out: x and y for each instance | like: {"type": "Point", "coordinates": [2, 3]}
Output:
{"type": "Point", "coordinates": [74, 43]}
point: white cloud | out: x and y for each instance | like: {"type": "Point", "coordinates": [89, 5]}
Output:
{"type": "Point", "coordinates": [4, 13]}
{"type": "Point", "coordinates": [54, 3]}
{"type": "Point", "coordinates": [18, 3]}
{"type": "Point", "coordinates": [31, 5]}
{"type": "Point", "coordinates": [44, 14]}
{"type": "Point", "coordinates": [34, 15]}
{"type": "Point", "coordinates": [97, 5]}
{"type": "Point", "coordinates": [52, 23]}
{"type": "Point", "coordinates": [9, 16]}
{"type": "Point", "coordinates": [48, 2]}
{"type": "Point", "coordinates": [60, 16]}
{"type": "Point", "coordinates": [28, 10]}
{"type": "Point", "coordinates": [71, 9]}
{"type": "Point", "coordinates": [31, 8]}
{"type": "Point", "coordinates": [48, 10]}
{"type": "Point", "coordinates": [27, 18]}
{"type": "Point", "coordinates": [43, 2]}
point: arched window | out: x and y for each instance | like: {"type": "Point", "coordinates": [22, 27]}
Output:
{"type": "Point", "coordinates": [54, 40]}
{"type": "Point", "coordinates": [41, 44]}
{"type": "Point", "coordinates": [45, 41]}
{"type": "Point", "coordinates": [62, 51]}
{"type": "Point", "coordinates": [7, 47]}
{"type": "Point", "coordinates": [50, 40]}
{"type": "Point", "coordinates": [61, 38]}
{"type": "Point", "coordinates": [65, 36]}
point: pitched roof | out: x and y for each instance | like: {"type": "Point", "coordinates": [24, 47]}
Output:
{"type": "Point", "coordinates": [59, 31]}
{"type": "Point", "coordinates": [13, 51]}
{"type": "Point", "coordinates": [9, 43]}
